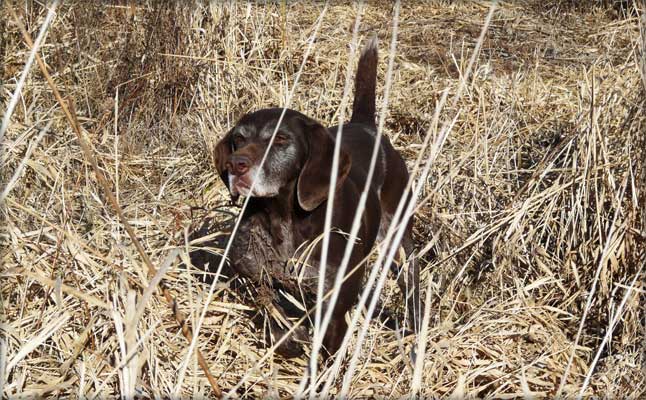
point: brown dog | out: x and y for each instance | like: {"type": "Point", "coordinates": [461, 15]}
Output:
{"type": "Point", "coordinates": [287, 205]}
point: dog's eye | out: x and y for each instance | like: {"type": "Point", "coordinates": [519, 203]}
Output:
{"type": "Point", "coordinates": [238, 141]}
{"type": "Point", "coordinates": [281, 138]}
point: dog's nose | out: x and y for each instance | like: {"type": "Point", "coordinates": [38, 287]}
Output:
{"type": "Point", "coordinates": [238, 165]}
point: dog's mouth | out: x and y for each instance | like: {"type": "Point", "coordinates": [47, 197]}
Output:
{"type": "Point", "coordinates": [240, 185]}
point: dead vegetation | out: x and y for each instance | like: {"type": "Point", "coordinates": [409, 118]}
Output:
{"type": "Point", "coordinates": [531, 232]}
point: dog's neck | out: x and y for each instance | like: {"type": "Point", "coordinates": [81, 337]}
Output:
{"type": "Point", "coordinates": [283, 204]}
{"type": "Point", "coordinates": [281, 209]}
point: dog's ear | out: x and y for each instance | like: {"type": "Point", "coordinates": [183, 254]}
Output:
{"type": "Point", "coordinates": [222, 152]}
{"type": "Point", "coordinates": [314, 180]}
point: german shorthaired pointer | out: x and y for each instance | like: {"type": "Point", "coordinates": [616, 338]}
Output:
{"type": "Point", "coordinates": [287, 205]}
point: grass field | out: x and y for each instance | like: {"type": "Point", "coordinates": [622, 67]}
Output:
{"type": "Point", "coordinates": [530, 227]}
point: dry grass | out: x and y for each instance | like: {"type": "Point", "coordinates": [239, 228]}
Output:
{"type": "Point", "coordinates": [531, 230]}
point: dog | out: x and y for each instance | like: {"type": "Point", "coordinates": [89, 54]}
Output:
{"type": "Point", "coordinates": [287, 204]}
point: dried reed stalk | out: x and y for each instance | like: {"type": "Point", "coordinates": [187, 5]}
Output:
{"type": "Point", "coordinates": [512, 222]}
{"type": "Point", "coordinates": [68, 109]}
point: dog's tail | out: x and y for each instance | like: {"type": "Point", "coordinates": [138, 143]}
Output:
{"type": "Point", "coordinates": [363, 108]}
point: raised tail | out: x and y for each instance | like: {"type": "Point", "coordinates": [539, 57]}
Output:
{"type": "Point", "coordinates": [363, 108]}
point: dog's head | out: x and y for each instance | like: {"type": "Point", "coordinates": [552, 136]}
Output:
{"type": "Point", "coordinates": [302, 151]}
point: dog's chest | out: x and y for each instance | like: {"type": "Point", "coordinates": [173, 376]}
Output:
{"type": "Point", "coordinates": [283, 239]}
{"type": "Point", "coordinates": [269, 250]}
